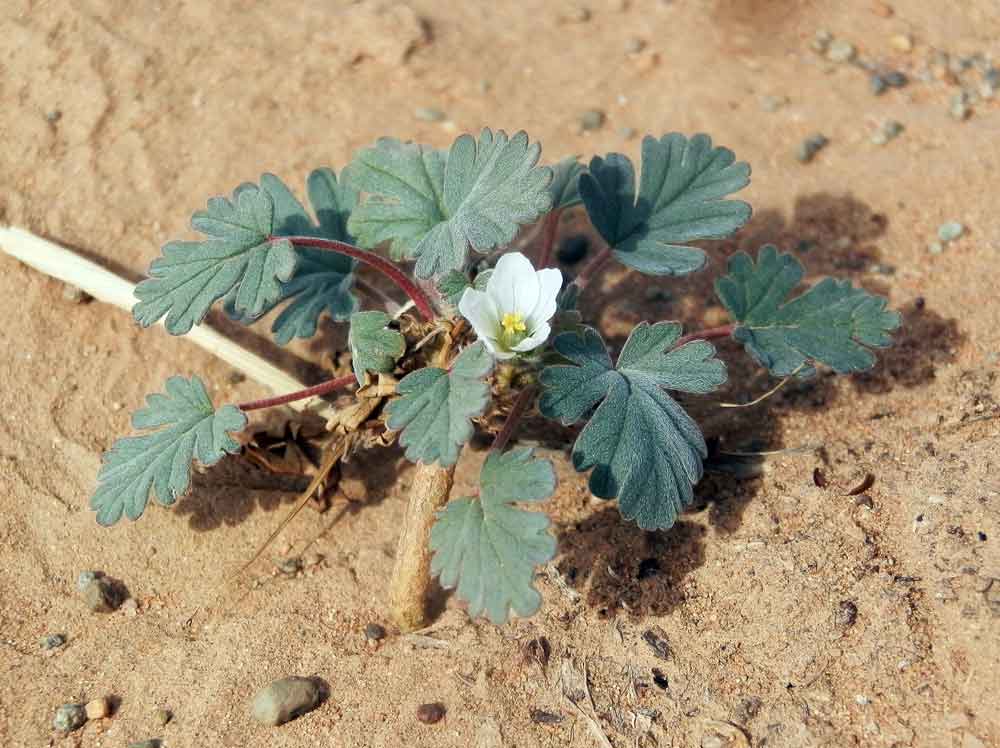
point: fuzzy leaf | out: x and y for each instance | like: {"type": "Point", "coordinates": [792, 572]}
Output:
{"type": "Point", "coordinates": [489, 549]}
{"type": "Point", "coordinates": [322, 280]}
{"type": "Point", "coordinates": [435, 407]}
{"type": "Point", "coordinates": [645, 450]}
{"type": "Point", "coordinates": [433, 207]}
{"type": "Point", "coordinates": [565, 185]}
{"type": "Point", "coordinates": [832, 323]}
{"type": "Point", "coordinates": [681, 199]}
{"type": "Point", "coordinates": [454, 283]}
{"type": "Point", "coordinates": [237, 258]}
{"type": "Point", "coordinates": [161, 460]}
{"type": "Point", "coordinates": [374, 348]}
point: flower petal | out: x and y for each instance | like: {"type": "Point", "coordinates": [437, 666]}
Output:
{"type": "Point", "coordinates": [549, 285]}
{"type": "Point", "coordinates": [514, 285]}
{"type": "Point", "coordinates": [539, 336]}
{"type": "Point", "coordinates": [479, 309]}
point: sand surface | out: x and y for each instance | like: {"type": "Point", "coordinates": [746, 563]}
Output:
{"type": "Point", "coordinates": [161, 105]}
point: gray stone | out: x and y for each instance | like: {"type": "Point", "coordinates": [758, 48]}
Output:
{"type": "Point", "coordinates": [896, 79]}
{"type": "Point", "coordinates": [821, 41]}
{"type": "Point", "coordinates": [429, 114]}
{"type": "Point", "coordinates": [809, 147]}
{"type": "Point", "coordinates": [163, 716]}
{"type": "Point", "coordinates": [877, 84]}
{"type": "Point", "coordinates": [374, 632]}
{"type": "Point", "coordinates": [592, 119]}
{"type": "Point", "coordinates": [101, 596]}
{"type": "Point", "coordinates": [935, 248]}
{"type": "Point", "coordinates": [841, 50]}
{"type": "Point", "coordinates": [286, 699]}
{"type": "Point", "coordinates": [151, 743]}
{"type": "Point", "coordinates": [959, 108]}
{"type": "Point", "coordinates": [950, 231]}
{"type": "Point", "coordinates": [85, 578]}
{"type": "Point", "coordinates": [69, 717]}
{"type": "Point", "coordinates": [52, 641]}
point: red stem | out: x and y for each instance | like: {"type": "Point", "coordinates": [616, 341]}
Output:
{"type": "Point", "coordinates": [322, 388]}
{"type": "Point", "coordinates": [513, 418]}
{"type": "Point", "coordinates": [549, 229]}
{"type": "Point", "coordinates": [722, 331]}
{"type": "Point", "coordinates": [584, 276]}
{"type": "Point", "coordinates": [415, 292]}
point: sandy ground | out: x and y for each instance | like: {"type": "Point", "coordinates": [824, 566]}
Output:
{"type": "Point", "coordinates": [163, 105]}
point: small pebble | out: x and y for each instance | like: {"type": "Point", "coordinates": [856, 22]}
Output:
{"type": "Point", "coordinates": [130, 607]}
{"type": "Point", "coordinates": [289, 566]}
{"type": "Point", "coordinates": [950, 231]}
{"type": "Point", "coordinates": [847, 614]}
{"type": "Point", "coordinates": [52, 641]}
{"type": "Point", "coordinates": [429, 114]}
{"type": "Point", "coordinates": [896, 79]}
{"type": "Point", "coordinates": [877, 84]}
{"type": "Point", "coordinates": [236, 377]}
{"type": "Point", "coordinates": [69, 717]}
{"type": "Point", "coordinates": [592, 119]}
{"type": "Point", "coordinates": [634, 45]}
{"type": "Point", "coordinates": [959, 107]}
{"type": "Point", "coordinates": [484, 86]}
{"type": "Point", "coordinates": [882, 269]}
{"type": "Point", "coordinates": [374, 632]}
{"type": "Point", "coordinates": [809, 147]}
{"type": "Point", "coordinates": [98, 708]}
{"type": "Point", "coordinates": [541, 717]}
{"type": "Point", "coordinates": [888, 131]}
{"type": "Point", "coordinates": [151, 743]}
{"type": "Point", "coordinates": [85, 578]}
{"type": "Point", "coordinates": [54, 116]}
{"type": "Point", "coordinates": [572, 249]}
{"type": "Point", "coordinates": [821, 41]}
{"type": "Point", "coordinates": [431, 714]}
{"type": "Point", "coordinates": [101, 596]}
{"type": "Point", "coordinates": [285, 699]}
{"type": "Point", "coordinates": [841, 51]}
{"type": "Point", "coordinates": [935, 248]}
{"type": "Point", "coordinates": [902, 42]}
{"type": "Point", "coordinates": [771, 104]}
{"type": "Point", "coordinates": [163, 716]}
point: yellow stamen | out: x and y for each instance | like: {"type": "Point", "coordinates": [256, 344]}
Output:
{"type": "Point", "coordinates": [513, 323]}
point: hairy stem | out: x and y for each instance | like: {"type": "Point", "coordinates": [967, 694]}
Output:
{"type": "Point", "coordinates": [411, 577]}
{"type": "Point", "coordinates": [391, 271]}
{"type": "Point", "coordinates": [518, 410]}
{"type": "Point", "coordinates": [587, 271]}
{"type": "Point", "coordinates": [323, 388]}
{"type": "Point", "coordinates": [710, 333]}
{"type": "Point", "coordinates": [549, 228]}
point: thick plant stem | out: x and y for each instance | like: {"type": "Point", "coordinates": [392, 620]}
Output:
{"type": "Point", "coordinates": [411, 577]}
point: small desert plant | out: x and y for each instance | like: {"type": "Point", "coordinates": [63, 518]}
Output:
{"type": "Point", "coordinates": [486, 338]}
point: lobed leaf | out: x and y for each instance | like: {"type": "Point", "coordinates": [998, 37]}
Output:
{"type": "Point", "coordinates": [435, 407]}
{"type": "Point", "coordinates": [374, 347]}
{"type": "Point", "coordinates": [189, 428]}
{"type": "Point", "coordinates": [832, 323]}
{"type": "Point", "coordinates": [565, 185]}
{"type": "Point", "coordinates": [322, 280]}
{"type": "Point", "coordinates": [488, 549]}
{"type": "Point", "coordinates": [453, 284]}
{"type": "Point", "coordinates": [432, 207]}
{"type": "Point", "coordinates": [645, 450]}
{"type": "Point", "coordinates": [238, 258]}
{"type": "Point", "coordinates": [680, 199]}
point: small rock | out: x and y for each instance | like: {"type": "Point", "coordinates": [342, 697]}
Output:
{"type": "Point", "coordinates": [772, 104]}
{"type": "Point", "coordinates": [312, 559]}
{"type": "Point", "coordinates": [75, 295]}
{"type": "Point", "coordinates": [864, 500]}
{"type": "Point", "coordinates": [101, 596]}
{"type": "Point", "coordinates": [634, 45]}
{"type": "Point", "coordinates": [69, 717]}
{"type": "Point", "coordinates": [902, 42]}
{"type": "Point", "coordinates": [98, 708]}
{"type": "Point", "coordinates": [541, 717]}
{"type": "Point", "coordinates": [429, 114]}
{"type": "Point", "coordinates": [162, 716]}
{"type": "Point", "coordinates": [54, 116]}
{"type": "Point", "coordinates": [877, 84]}
{"type": "Point", "coordinates": [821, 41]}
{"type": "Point", "coordinates": [950, 231]}
{"type": "Point", "coordinates": [935, 248]}
{"type": "Point", "coordinates": [959, 108]}
{"type": "Point", "coordinates": [592, 119]}
{"type": "Point", "coordinates": [862, 700]}
{"type": "Point", "coordinates": [888, 131]}
{"type": "Point", "coordinates": [809, 147]}
{"type": "Point", "coordinates": [656, 638]}
{"type": "Point", "coordinates": [85, 578]}
{"type": "Point", "coordinates": [285, 699]}
{"type": "Point", "coordinates": [130, 607]}
{"type": "Point", "coordinates": [896, 79]}
{"type": "Point", "coordinates": [151, 743]}
{"type": "Point", "coordinates": [431, 714]}
{"type": "Point", "coordinates": [841, 50]}
{"type": "Point", "coordinates": [52, 641]}
{"type": "Point", "coordinates": [882, 268]}
{"type": "Point", "coordinates": [847, 614]}
{"type": "Point", "coordinates": [573, 249]}
{"type": "Point", "coordinates": [374, 632]}
{"type": "Point", "coordinates": [236, 377]}
{"type": "Point", "coordinates": [748, 709]}
{"type": "Point", "coordinates": [484, 86]}
{"type": "Point", "coordinates": [289, 566]}
{"type": "Point", "coordinates": [578, 15]}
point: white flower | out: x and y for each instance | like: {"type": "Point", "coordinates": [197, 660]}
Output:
{"type": "Point", "coordinates": [512, 315]}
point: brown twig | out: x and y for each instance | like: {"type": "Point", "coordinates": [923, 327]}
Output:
{"type": "Point", "coordinates": [549, 229]}
{"type": "Point", "coordinates": [513, 418]}
{"type": "Point", "coordinates": [323, 388]}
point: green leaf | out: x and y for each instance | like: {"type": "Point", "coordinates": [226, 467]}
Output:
{"type": "Point", "coordinates": [161, 460]}
{"type": "Point", "coordinates": [432, 207]}
{"type": "Point", "coordinates": [435, 407]}
{"type": "Point", "coordinates": [565, 185]}
{"type": "Point", "coordinates": [489, 549]}
{"type": "Point", "coordinates": [645, 450]}
{"type": "Point", "coordinates": [681, 199]}
{"type": "Point", "coordinates": [831, 323]}
{"type": "Point", "coordinates": [237, 258]}
{"type": "Point", "coordinates": [454, 283]}
{"type": "Point", "coordinates": [373, 347]}
{"type": "Point", "coordinates": [322, 280]}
